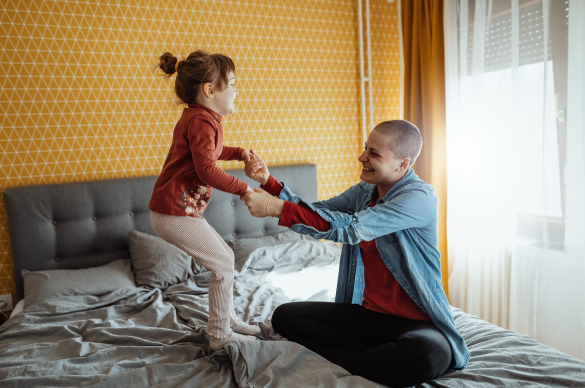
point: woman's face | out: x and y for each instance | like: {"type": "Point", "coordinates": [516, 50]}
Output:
{"type": "Point", "coordinates": [379, 166]}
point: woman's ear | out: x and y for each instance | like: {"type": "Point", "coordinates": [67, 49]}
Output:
{"type": "Point", "coordinates": [404, 162]}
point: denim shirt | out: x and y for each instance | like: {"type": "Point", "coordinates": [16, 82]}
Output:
{"type": "Point", "coordinates": [404, 225]}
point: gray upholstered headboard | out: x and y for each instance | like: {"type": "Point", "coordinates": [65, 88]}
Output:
{"type": "Point", "coordinates": [85, 224]}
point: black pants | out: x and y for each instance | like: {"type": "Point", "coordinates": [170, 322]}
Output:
{"type": "Point", "coordinates": [380, 347]}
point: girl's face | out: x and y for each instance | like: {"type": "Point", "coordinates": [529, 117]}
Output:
{"type": "Point", "coordinates": [223, 101]}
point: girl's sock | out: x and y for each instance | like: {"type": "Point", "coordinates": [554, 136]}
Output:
{"type": "Point", "coordinates": [244, 328]}
{"type": "Point", "coordinates": [218, 343]}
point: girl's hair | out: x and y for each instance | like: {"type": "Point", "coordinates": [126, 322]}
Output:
{"type": "Point", "coordinates": [198, 69]}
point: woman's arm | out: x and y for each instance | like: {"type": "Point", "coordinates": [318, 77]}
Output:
{"type": "Point", "coordinates": [256, 169]}
{"type": "Point", "coordinates": [291, 213]}
{"type": "Point", "coordinates": [263, 204]}
{"type": "Point", "coordinates": [415, 208]}
{"type": "Point", "coordinates": [288, 212]}
{"type": "Point", "coordinates": [412, 209]}
{"type": "Point", "coordinates": [272, 187]}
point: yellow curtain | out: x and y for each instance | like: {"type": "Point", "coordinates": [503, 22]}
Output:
{"type": "Point", "coordinates": [424, 100]}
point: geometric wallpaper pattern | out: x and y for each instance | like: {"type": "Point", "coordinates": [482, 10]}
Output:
{"type": "Point", "coordinates": [79, 100]}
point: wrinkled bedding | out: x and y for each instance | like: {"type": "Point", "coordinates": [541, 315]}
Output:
{"type": "Point", "coordinates": [152, 338]}
{"type": "Point", "coordinates": [503, 358]}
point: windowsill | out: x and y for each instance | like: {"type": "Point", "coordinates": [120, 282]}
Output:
{"type": "Point", "coordinates": [531, 228]}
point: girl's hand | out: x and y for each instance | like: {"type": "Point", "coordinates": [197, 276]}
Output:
{"type": "Point", "coordinates": [246, 157]}
{"type": "Point", "coordinates": [256, 169]}
{"type": "Point", "coordinates": [248, 190]}
{"type": "Point", "coordinates": [256, 202]}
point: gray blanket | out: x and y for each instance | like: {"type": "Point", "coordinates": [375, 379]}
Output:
{"type": "Point", "coordinates": [153, 338]}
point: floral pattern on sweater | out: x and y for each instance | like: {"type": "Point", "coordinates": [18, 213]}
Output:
{"type": "Point", "coordinates": [194, 201]}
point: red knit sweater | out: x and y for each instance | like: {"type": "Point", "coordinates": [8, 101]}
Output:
{"type": "Point", "coordinates": [382, 292]}
{"type": "Point", "coordinates": [189, 174]}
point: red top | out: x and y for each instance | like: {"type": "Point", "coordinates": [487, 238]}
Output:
{"type": "Point", "coordinates": [189, 174]}
{"type": "Point", "coordinates": [382, 292]}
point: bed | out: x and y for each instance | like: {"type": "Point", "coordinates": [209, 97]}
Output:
{"type": "Point", "coordinates": [155, 337]}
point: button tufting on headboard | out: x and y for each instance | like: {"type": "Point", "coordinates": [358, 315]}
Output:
{"type": "Point", "coordinates": [37, 243]}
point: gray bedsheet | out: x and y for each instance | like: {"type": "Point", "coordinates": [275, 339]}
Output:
{"type": "Point", "coordinates": [148, 338]}
{"type": "Point", "coordinates": [503, 358]}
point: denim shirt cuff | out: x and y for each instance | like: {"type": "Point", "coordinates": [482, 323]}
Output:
{"type": "Point", "coordinates": [287, 195]}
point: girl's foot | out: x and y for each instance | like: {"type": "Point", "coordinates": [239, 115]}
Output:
{"type": "Point", "coordinates": [218, 343]}
{"type": "Point", "coordinates": [244, 328]}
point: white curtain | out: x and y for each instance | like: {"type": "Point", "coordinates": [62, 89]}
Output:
{"type": "Point", "coordinates": [515, 87]}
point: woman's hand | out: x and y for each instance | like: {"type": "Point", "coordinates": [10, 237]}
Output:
{"type": "Point", "coordinates": [256, 169]}
{"type": "Point", "coordinates": [256, 202]}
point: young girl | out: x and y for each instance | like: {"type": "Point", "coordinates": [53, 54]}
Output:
{"type": "Point", "coordinates": [183, 190]}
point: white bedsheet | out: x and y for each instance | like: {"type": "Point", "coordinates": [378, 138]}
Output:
{"type": "Point", "coordinates": [302, 270]}
{"type": "Point", "coordinates": [18, 308]}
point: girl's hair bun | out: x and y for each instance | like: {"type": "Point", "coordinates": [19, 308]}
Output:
{"type": "Point", "coordinates": [197, 69]}
{"type": "Point", "coordinates": [167, 63]}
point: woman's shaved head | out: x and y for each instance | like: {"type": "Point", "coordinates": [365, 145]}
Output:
{"type": "Point", "coordinates": [405, 140]}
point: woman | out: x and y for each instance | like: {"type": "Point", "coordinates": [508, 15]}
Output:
{"type": "Point", "coordinates": [391, 322]}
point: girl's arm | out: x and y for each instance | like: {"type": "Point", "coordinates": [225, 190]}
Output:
{"type": "Point", "coordinates": [202, 143]}
{"type": "Point", "coordinates": [231, 153]}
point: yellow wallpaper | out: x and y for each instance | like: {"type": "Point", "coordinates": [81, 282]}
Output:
{"type": "Point", "coordinates": [79, 100]}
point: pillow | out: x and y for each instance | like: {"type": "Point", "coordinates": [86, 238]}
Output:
{"type": "Point", "coordinates": [244, 246]}
{"type": "Point", "coordinates": [157, 263]}
{"type": "Point", "coordinates": [42, 285]}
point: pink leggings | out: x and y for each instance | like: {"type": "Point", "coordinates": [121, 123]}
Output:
{"type": "Point", "coordinates": [196, 237]}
